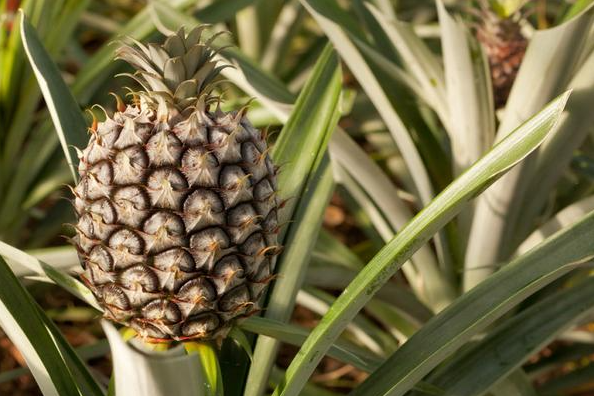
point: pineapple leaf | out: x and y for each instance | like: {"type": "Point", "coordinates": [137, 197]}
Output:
{"type": "Point", "coordinates": [471, 313]}
{"type": "Point", "coordinates": [564, 218]}
{"type": "Point", "coordinates": [335, 23]}
{"type": "Point", "coordinates": [68, 120]}
{"type": "Point", "coordinates": [210, 365]}
{"type": "Point", "coordinates": [508, 346]}
{"type": "Point", "coordinates": [556, 155]}
{"type": "Point", "coordinates": [46, 352]}
{"type": "Point", "coordinates": [149, 373]}
{"type": "Point", "coordinates": [446, 205]}
{"type": "Point", "coordinates": [288, 333]}
{"type": "Point", "coordinates": [468, 84]}
{"type": "Point", "coordinates": [419, 60]}
{"type": "Point", "coordinates": [38, 267]}
{"type": "Point", "coordinates": [369, 82]}
{"type": "Point", "coordinates": [307, 181]}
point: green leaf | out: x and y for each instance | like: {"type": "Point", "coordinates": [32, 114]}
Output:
{"type": "Point", "coordinates": [564, 218]}
{"type": "Point", "coordinates": [350, 54]}
{"type": "Point", "coordinates": [436, 288]}
{"type": "Point", "coordinates": [419, 60]}
{"type": "Point", "coordinates": [479, 307]}
{"type": "Point", "coordinates": [62, 258]}
{"type": "Point", "coordinates": [140, 371]}
{"type": "Point", "coordinates": [307, 132]}
{"type": "Point", "coordinates": [68, 120]}
{"type": "Point", "coordinates": [292, 268]}
{"type": "Point", "coordinates": [557, 153]}
{"type": "Point", "coordinates": [468, 83]}
{"type": "Point", "coordinates": [294, 335]}
{"type": "Point", "coordinates": [474, 371]}
{"type": "Point", "coordinates": [38, 267]}
{"type": "Point", "coordinates": [302, 146]}
{"type": "Point", "coordinates": [219, 11]}
{"type": "Point", "coordinates": [576, 8]}
{"type": "Point", "coordinates": [210, 366]}
{"type": "Point", "coordinates": [446, 205]}
{"type": "Point", "coordinates": [22, 322]}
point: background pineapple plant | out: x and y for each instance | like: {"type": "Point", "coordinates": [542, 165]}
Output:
{"type": "Point", "coordinates": [500, 32]}
{"type": "Point", "coordinates": [416, 117]}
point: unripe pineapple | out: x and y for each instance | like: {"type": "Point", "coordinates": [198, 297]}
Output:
{"type": "Point", "coordinates": [176, 204]}
{"type": "Point", "coordinates": [505, 45]}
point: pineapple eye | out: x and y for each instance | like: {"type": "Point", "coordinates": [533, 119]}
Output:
{"type": "Point", "coordinates": [129, 165]}
{"type": "Point", "coordinates": [197, 291]}
{"type": "Point", "coordinates": [242, 221]}
{"type": "Point", "coordinates": [200, 167]}
{"type": "Point", "coordinates": [164, 230]}
{"type": "Point", "coordinates": [270, 224]}
{"type": "Point", "coordinates": [131, 196]}
{"type": "Point", "coordinates": [147, 330]}
{"type": "Point", "coordinates": [105, 210]}
{"type": "Point", "coordinates": [174, 258]}
{"type": "Point", "coordinates": [102, 172]}
{"type": "Point", "coordinates": [115, 297]}
{"type": "Point", "coordinates": [254, 245]}
{"type": "Point", "coordinates": [164, 222]}
{"type": "Point", "coordinates": [164, 148]}
{"type": "Point", "coordinates": [139, 276]}
{"type": "Point", "coordinates": [227, 273]}
{"type": "Point", "coordinates": [166, 188]}
{"type": "Point", "coordinates": [126, 240]}
{"type": "Point", "coordinates": [101, 257]}
{"type": "Point", "coordinates": [201, 325]}
{"type": "Point", "coordinates": [209, 240]}
{"type": "Point", "coordinates": [162, 310]}
{"type": "Point", "coordinates": [192, 131]}
{"type": "Point", "coordinates": [203, 208]}
{"type": "Point", "coordinates": [235, 186]}
{"type": "Point", "coordinates": [236, 299]}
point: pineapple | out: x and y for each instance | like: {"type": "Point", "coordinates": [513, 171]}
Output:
{"type": "Point", "coordinates": [500, 34]}
{"type": "Point", "coordinates": [177, 201]}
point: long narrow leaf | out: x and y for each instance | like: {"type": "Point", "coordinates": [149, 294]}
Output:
{"type": "Point", "coordinates": [472, 122]}
{"type": "Point", "coordinates": [446, 205]}
{"type": "Point", "coordinates": [21, 321]}
{"type": "Point", "coordinates": [38, 267]}
{"type": "Point", "coordinates": [302, 144]}
{"type": "Point", "coordinates": [556, 154]}
{"type": "Point", "coordinates": [65, 112]}
{"type": "Point", "coordinates": [479, 307]}
{"type": "Point", "coordinates": [353, 58]}
{"type": "Point", "coordinates": [473, 372]}
{"type": "Point", "coordinates": [291, 334]}
{"type": "Point", "coordinates": [293, 264]}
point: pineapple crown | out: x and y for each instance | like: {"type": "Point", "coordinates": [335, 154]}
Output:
{"type": "Point", "coordinates": [178, 72]}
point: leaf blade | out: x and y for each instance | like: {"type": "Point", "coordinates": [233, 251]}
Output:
{"type": "Point", "coordinates": [447, 204]}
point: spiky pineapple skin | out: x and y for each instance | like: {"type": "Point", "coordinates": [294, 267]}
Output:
{"type": "Point", "coordinates": [505, 46]}
{"type": "Point", "coordinates": [177, 219]}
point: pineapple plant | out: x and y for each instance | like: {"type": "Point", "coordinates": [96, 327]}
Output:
{"type": "Point", "coordinates": [140, 235]}
{"type": "Point", "coordinates": [500, 32]}
{"type": "Point", "coordinates": [177, 202]}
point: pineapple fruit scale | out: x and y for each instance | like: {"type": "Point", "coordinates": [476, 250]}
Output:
{"type": "Point", "coordinates": [505, 46]}
{"type": "Point", "coordinates": [177, 201]}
